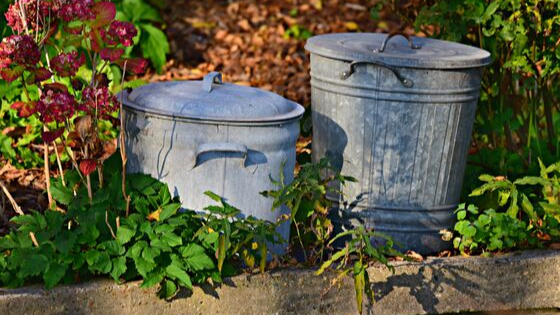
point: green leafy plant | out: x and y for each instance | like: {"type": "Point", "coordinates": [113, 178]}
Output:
{"type": "Point", "coordinates": [156, 243]}
{"type": "Point", "coordinates": [152, 41]}
{"type": "Point", "coordinates": [297, 32]}
{"type": "Point", "coordinates": [306, 199]}
{"type": "Point", "coordinates": [520, 213]}
{"type": "Point", "coordinates": [518, 115]}
{"type": "Point", "coordinates": [356, 257]}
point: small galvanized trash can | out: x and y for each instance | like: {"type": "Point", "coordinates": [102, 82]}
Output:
{"type": "Point", "coordinates": [397, 114]}
{"type": "Point", "coordinates": [208, 135]}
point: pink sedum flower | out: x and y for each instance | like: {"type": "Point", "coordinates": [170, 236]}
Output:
{"type": "Point", "coordinates": [67, 64]}
{"type": "Point", "coordinates": [120, 32]}
{"type": "Point", "coordinates": [99, 100]}
{"type": "Point", "coordinates": [56, 106]}
{"type": "Point", "coordinates": [74, 10]}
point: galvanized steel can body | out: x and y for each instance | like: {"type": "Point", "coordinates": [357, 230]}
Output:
{"type": "Point", "coordinates": [402, 129]}
{"type": "Point", "coordinates": [233, 155]}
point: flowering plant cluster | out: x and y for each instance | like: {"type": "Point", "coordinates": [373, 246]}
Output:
{"type": "Point", "coordinates": [62, 49]}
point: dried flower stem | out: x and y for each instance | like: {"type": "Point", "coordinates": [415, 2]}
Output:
{"type": "Point", "coordinates": [88, 178]}
{"type": "Point", "coordinates": [17, 209]}
{"type": "Point", "coordinates": [47, 171]}
{"type": "Point", "coordinates": [109, 225]}
{"type": "Point", "coordinates": [122, 145]}
{"type": "Point", "coordinates": [58, 161]}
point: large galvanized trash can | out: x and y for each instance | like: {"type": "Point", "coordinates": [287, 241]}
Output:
{"type": "Point", "coordinates": [199, 136]}
{"type": "Point", "coordinates": [397, 114]}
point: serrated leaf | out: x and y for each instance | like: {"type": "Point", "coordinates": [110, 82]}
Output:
{"type": "Point", "coordinates": [143, 266]}
{"type": "Point", "coordinates": [152, 279]}
{"type": "Point", "coordinates": [177, 273]}
{"type": "Point", "coordinates": [54, 273]}
{"type": "Point", "coordinates": [33, 264]}
{"type": "Point", "coordinates": [169, 210]}
{"type": "Point", "coordinates": [150, 253]}
{"type": "Point", "coordinates": [119, 268]}
{"type": "Point", "coordinates": [112, 247]}
{"type": "Point", "coordinates": [125, 234]}
{"type": "Point", "coordinates": [171, 239]}
{"type": "Point", "coordinates": [65, 241]}
{"type": "Point", "coordinates": [168, 290]}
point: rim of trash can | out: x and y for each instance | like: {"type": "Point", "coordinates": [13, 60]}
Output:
{"type": "Point", "coordinates": [399, 51]}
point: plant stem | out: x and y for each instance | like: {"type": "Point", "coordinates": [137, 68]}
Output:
{"type": "Point", "coordinates": [296, 208]}
{"type": "Point", "coordinates": [122, 145]}
{"type": "Point", "coordinates": [88, 178]}
{"type": "Point", "coordinates": [47, 171]}
{"type": "Point", "coordinates": [59, 165]}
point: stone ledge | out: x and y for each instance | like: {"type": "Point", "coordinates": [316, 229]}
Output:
{"type": "Point", "coordinates": [518, 281]}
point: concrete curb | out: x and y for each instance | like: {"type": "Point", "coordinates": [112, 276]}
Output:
{"type": "Point", "coordinates": [518, 281]}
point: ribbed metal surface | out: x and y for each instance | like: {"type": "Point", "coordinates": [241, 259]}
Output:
{"type": "Point", "coordinates": [406, 146]}
{"type": "Point", "coordinates": [233, 159]}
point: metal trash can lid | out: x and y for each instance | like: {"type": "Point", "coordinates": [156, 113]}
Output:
{"type": "Point", "coordinates": [399, 51]}
{"type": "Point", "coordinates": [212, 100]}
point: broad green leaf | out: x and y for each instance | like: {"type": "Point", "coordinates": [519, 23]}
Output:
{"type": "Point", "coordinates": [177, 273]}
{"type": "Point", "coordinates": [54, 273]}
{"type": "Point", "coordinates": [155, 46]}
{"type": "Point", "coordinates": [65, 241]}
{"type": "Point", "coordinates": [119, 268]}
{"type": "Point", "coordinates": [150, 253]}
{"type": "Point", "coordinates": [171, 239]}
{"type": "Point", "coordinates": [152, 279]}
{"type": "Point", "coordinates": [532, 180]}
{"type": "Point", "coordinates": [33, 264]}
{"type": "Point", "coordinates": [143, 266]}
{"type": "Point", "coordinates": [112, 247]}
{"type": "Point", "coordinates": [168, 290]}
{"type": "Point", "coordinates": [168, 211]}
{"type": "Point", "coordinates": [461, 215]}
{"type": "Point", "coordinates": [61, 194]}
{"type": "Point", "coordinates": [125, 234]}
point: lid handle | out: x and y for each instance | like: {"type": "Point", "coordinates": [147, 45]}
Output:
{"type": "Point", "coordinates": [393, 34]}
{"type": "Point", "coordinates": [209, 79]}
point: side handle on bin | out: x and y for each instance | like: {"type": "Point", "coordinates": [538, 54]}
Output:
{"type": "Point", "coordinates": [346, 74]}
{"type": "Point", "coordinates": [210, 79]}
{"type": "Point", "coordinates": [219, 147]}
{"type": "Point", "coordinates": [393, 34]}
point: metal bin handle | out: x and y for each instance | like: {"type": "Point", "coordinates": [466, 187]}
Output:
{"type": "Point", "coordinates": [219, 147]}
{"type": "Point", "coordinates": [346, 74]}
{"type": "Point", "coordinates": [391, 35]}
{"type": "Point", "coordinates": [209, 79]}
